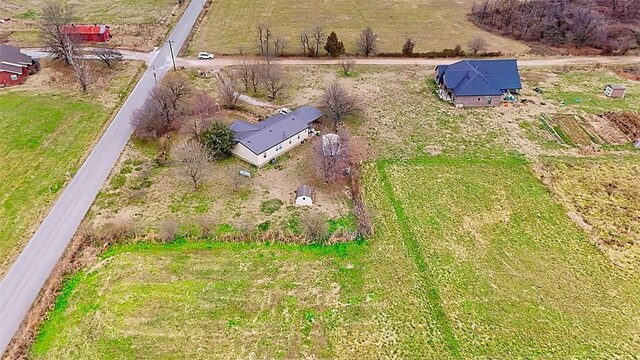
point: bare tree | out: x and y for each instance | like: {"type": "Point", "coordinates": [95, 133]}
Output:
{"type": "Point", "coordinates": [202, 109]}
{"type": "Point", "coordinates": [478, 44]}
{"type": "Point", "coordinates": [339, 102]}
{"type": "Point", "coordinates": [368, 42]}
{"type": "Point", "coordinates": [318, 39]}
{"type": "Point", "coordinates": [82, 73]}
{"type": "Point", "coordinates": [273, 79]}
{"type": "Point", "coordinates": [55, 16]}
{"type": "Point", "coordinates": [305, 42]}
{"type": "Point", "coordinates": [193, 158]}
{"type": "Point", "coordinates": [279, 46]}
{"type": "Point", "coordinates": [332, 155]}
{"type": "Point", "coordinates": [264, 36]}
{"type": "Point", "coordinates": [248, 73]}
{"type": "Point", "coordinates": [108, 55]}
{"type": "Point", "coordinates": [347, 64]}
{"type": "Point", "coordinates": [177, 85]}
{"type": "Point", "coordinates": [157, 117]}
{"type": "Point", "coordinates": [228, 92]}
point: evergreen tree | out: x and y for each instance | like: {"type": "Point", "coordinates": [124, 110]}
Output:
{"type": "Point", "coordinates": [218, 139]}
{"type": "Point", "coordinates": [333, 46]}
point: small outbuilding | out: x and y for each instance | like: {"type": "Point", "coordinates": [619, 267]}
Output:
{"type": "Point", "coordinates": [615, 91]}
{"type": "Point", "coordinates": [304, 196]}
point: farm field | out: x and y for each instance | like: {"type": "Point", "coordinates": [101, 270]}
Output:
{"type": "Point", "coordinates": [45, 131]}
{"type": "Point", "coordinates": [225, 31]}
{"type": "Point", "coordinates": [481, 262]}
{"type": "Point", "coordinates": [134, 24]}
{"type": "Point", "coordinates": [515, 276]}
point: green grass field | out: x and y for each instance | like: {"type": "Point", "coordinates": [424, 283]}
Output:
{"type": "Point", "coordinates": [471, 258]}
{"type": "Point", "coordinates": [584, 90]}
{"type": "Point", "coordinates": [432, 24]}
{"type": "Point", "coordinates": [44, 135]}
{"type": "Point", "coordinates": [42, 139]}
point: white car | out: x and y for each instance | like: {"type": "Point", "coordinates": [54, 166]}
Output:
{"type": "Point", "coordinates": [205, 55]}
{"type": "Point", "coordinates": [285, 111]}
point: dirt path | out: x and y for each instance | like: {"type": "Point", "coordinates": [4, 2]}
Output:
{"type": "Point", "coordinates": [524, 61]}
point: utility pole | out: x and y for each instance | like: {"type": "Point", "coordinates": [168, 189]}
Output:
{"type": "Point", "coordinates": [155, 76]}
{"type": "Point", "coordinates": [173, 59]}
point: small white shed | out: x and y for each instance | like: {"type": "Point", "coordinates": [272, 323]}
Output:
{"type": "Point", "coordinates": [304, 196]}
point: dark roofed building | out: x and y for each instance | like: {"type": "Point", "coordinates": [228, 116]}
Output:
{"type": "Point", "coordinates": [261, 142]}
{"type": "Point", "coordinates": [478, 82]}
{"type": "Point", "coordinates": [15, 67]}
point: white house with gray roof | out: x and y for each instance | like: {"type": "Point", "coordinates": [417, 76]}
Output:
{"type": "Point", "coordinates": [258, 143]}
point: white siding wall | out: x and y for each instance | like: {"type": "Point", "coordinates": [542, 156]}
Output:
{"type": "Point", "coordinates": [247, 155]}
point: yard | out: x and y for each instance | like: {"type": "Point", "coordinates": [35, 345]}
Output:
{"type": "Point", "coordinates": [480, 263]}
{"type": "Point", "coordinates": [134, 24]}
{"type": "Point", "coordinates": [582, 89]}
{"type": "Point", "coordinates": [225, 31]}
{"type": "Point", "coordinates": [46, 129]}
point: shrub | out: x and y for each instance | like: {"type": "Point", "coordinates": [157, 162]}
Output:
{"type": "Point", "coordinates": [218, 139]}
{"type": "Point", "coordinates": [168, 229]}
{"type": "Point", "coordinates": [315, 228]}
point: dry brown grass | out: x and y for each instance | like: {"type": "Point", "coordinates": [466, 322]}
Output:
{"type": "Point", "coordinates": [432, 24]}
{"type": "Point", "coordinates": [604, 197]}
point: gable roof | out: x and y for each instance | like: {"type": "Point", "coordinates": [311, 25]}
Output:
{"type": "Point", "coordinates": [617, 87]}
{"type": "Point", "coordinates": [12, 60]}
{"type": "Point", "coordinates": [304, 190]}
{"type": "Point", "coordinates": [273, 130]}
{"type": "Point", "coordinates": [84, 29]}
{"type": "Point", "coordinates": [480, 77]}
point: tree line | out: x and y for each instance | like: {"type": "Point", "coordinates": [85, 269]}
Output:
{"type": "Point", "coordinates": [609, 25]}
{"type": "Point", "coordinates": [312, 41]}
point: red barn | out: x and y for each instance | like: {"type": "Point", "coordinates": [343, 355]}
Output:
{"type": "Point", "coordinates": [15, 67]}
{"type": "Point", "coordinates": [88, 33]}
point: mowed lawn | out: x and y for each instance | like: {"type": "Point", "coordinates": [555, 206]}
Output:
{"type": "Point", "coordinates": [432, 24]}
{"type": "Point", "coordinates": [471, 258]}
{"type": "Point", "coordinates": [42, 140]}
{"type": "Point", "coordinates": [212, 300]}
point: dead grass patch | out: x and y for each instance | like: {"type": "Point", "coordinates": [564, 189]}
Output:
{"type": "Point", "coordinates": [604, 193]}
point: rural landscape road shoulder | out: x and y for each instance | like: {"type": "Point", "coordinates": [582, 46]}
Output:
{"type": "Point", "coordinates": [546, 61]}
{"type": "Point", "coordinates": [22, 283]}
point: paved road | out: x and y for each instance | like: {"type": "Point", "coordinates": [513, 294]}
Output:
{"type": "Point", "coordinates": [23, 281]}
{"type": "Point", "coordinates": [525, 61]}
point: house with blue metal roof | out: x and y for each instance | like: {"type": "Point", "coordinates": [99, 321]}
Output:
{"type": "Point", "coordinates": [258, 143]}
{"type": "Point", "coordinates": [478, 82]}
